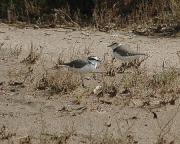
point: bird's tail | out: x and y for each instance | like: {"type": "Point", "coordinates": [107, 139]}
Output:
{"type": "Point", "coordinates": [145, 56]}
{"type": "Point", "coordinates": [57, 66]}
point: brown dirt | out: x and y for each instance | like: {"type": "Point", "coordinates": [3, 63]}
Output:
{"type": "Point", "coordinates": [25, 111]}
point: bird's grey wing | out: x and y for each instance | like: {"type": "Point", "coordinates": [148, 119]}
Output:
{"type": "Point", "coordinates": [76, 63]}
{"type": "Point", "coordinates": [124, 50]}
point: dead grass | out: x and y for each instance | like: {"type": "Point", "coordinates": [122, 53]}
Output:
{"type": "Point", "coordinates": [160, 88]}
{"type": "Point", "coordinates": [107, 14]}
{"type": "Point", "coordinates": [178, 54]}
{"type": "Point", "coordinates": [16, 51]}
{"type": "Point", "coordinates": [9, 51]}
{"type": "Point", "coordinates": [166, 128]}
{"type": "Point", "coordinates": [33, 56]}
{"type": "Point", "coordinates": [108, 140]}
{"type": "Point", "coordinates": [175, 6]}
{"type": "Point", "coordinates": [105, 19]}
{"type": "Point", "coordinates": [5, 134]}
{"type": "Point", "coordinates": [60, 61]}
{"type": "Point", "coordinates": [60, 81]}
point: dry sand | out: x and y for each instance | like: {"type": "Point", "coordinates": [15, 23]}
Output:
{"type": "Point", "coordinates": [31, 113]}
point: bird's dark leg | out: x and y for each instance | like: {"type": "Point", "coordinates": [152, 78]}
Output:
{"type": "Point", "coordinates": [113, 60]}
{"type": "Point", "coordinates": [82, 82]}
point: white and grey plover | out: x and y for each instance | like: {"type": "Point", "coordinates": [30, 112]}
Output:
{"type": "Point", "coordinates": [83, 66]}
{"type": "Point", "coordinates": [124, 53]}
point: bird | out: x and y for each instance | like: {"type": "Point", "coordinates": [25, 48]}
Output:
{"type": "Point", "coordinates": [84, 66]}
{"type": "Point", "coordinates": [124, 53]}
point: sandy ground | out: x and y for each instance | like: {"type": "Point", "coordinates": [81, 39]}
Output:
{"type": "Point", "coordinates": [27, 112]}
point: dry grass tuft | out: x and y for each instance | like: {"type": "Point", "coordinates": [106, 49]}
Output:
{"type": "Point", "coordinates": [178, 54]}
{"type": "Point", "coordinates": [109, 86]}
{"type": "Point", "coordinates": [165, 78]}
{"type": "Point", "coordinates": [108, 138]}
{"type": "Point", "coordinates": [105, 19]}
{"type": "Point", "coordinates": [107, 15]}
{"type": "Point", "coordinates": [33, 56]}
{"type": "Point", "coordinates": [5, 134]}
{"type": "Point", "coordinates": [161, 87]}
{"type": "Point", "coordinates": [60, 61]}
{"type": "Point", "coordinates": [16, 51]}
{"type": "Point", "coordinates": [175, 6]}
{"type": "Point", "coordinates": [9, 51]}
{"type": "Point", "coordinates": [59, 81]}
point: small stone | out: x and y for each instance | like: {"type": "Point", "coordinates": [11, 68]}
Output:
{"type": "Point", "coordinates": [172, 102]}
{"type": "Point", "coordinates": [63, 108]}
{"type": "Point", "coordinates": [36, 27]}
{"type": "Point", "coordinates": [13, 90]}
{"type": "Point", "coordinates": [112, 92]}
{"type": "Point", "coordinates": [108, 124]}
{"type": "Point", "coordinates": [154, 102]}
{"type": "Point", "coordinates": [25, 139]}
{"type": "Point", "coordinates": [98, 90]}
{"type": "Point", "coordinates": [73, 114]}
{"type": "Point", "coordinates": [15, 83]}
{"type": "Point", "coordinates": [137, 102]}
{"type": "Point", "coordinates": [1, 83]}
{"type": "Point", "coordinates": [106, 101]}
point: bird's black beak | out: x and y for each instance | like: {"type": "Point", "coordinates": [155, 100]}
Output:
{"type": "Point", "coordinates": [113, 59]}
{"type": "Point", "coordinates": [109, 45]}
{"type": "Point", "coordinates": [99, 60]}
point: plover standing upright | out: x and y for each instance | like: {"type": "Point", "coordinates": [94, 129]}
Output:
{"type": "Point", "coordinates": [124, 53]}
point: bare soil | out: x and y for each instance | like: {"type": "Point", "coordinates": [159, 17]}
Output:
{"type": "Point", "coordinates": [34, 116]}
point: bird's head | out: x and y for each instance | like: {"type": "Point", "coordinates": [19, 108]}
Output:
{"type": "Point", "coordinates": [113, 45]}
{"type": "Point", "coordinates": [93, 58]}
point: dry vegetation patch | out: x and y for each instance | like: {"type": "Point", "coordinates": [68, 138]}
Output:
{"type": "Point", "coordinates": [135, 83]}
{"type": "Point", "coordinates": [175, 6]}
{"type": "Point", "coordinates": [152, 89]}
{"type": "Point", "coordinates": [9, 51]}
{"type": "Point", "coordinates": [34, 55]}
{"type": "Point", "coordinates": [59, 81]}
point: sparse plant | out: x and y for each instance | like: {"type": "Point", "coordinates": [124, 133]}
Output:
{"type": "Point", "coordinates": [33, 56]}
{"type": "Point", "coordinates": [105, 19]}
{"type": "Point", "coordinates": [78, 99]}
{"type": "Point", "coordinates": [42, 84]}
{"type": "Point", "coordinates": [20, 74]}
{"type": "Point", "coordinates": [87, 50]}
{"type": "Point", "coordinates": [175, 6]}
{"type": "Point", "coordinates": [1, 45]}
{"type": "Point", "coordinates": [60, 61]}
{"type": "Point", "coordinates": [108, 139]}
{"type": "Point", "coordinates": [16, 51]}
{"type": "Point", "coordinates": [3, 50]}
{"type": "Point", "coordinates": [66, 18]}
{"type": "Point", "coordinates": [25, 140]}
{"type": "Point", "coordinates": [109, 86]}
{"type": "Point", "coordinates": [10, 51]}
{"type": "Point", "coordinates": [178, 54]}
{"type": "Point", "coordinates": [165, 128]}
{"type": "Point", "coordinates": [164, 78]}
{"type": "Point", "coordinates": [59, 81]}
{"type": "Point", "coordinates": [5, 134]}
